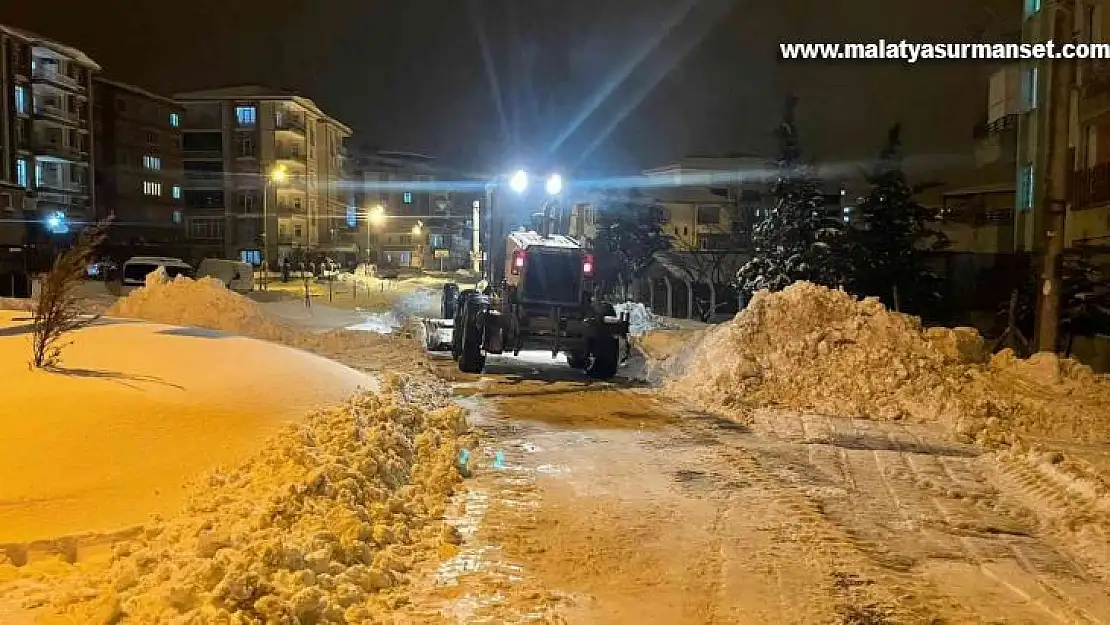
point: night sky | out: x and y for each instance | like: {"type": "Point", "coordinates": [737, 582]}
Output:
{"type": "Point", "coordinates": [409, 74]}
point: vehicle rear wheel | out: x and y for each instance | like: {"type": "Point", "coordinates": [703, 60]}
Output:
{"type": "Point", "coordinates": [604, 358]}
{"type": "Point", "coordinates": [471, 358]}
{"type": "Point", "coordinates": [577, 361]}
{"type": "Point", "coordinates": [450, 300]}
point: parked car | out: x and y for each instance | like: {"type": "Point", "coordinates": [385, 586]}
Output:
{"type": "Point", "coordinates": [137, 268]}
{"type": "Point", "coordinates": [236, 275]}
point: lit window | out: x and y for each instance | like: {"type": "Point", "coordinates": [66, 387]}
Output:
{"type": "Point", "coordinates": [1032, 7]}
{"type": "Point", "coordinates": [21, 173]}
{"type": "Point", "coordinates": [152, 162]}
{"type": "Point", "coordinates": [152, 188]}
{"type": "Point", "coordinates": [175, 119]}
{"type": "Point", "coordinates": [352, 217]}
{"type": "Point", "coordinates": [176, 216]}
{"type": "Point", "coordinates": [246, 115]}
{"type": "Point", "coordinates": [38, 174]}
{"type": "Point", "coordinates": [1025, 191]}
{"type": "Point", "coordinates": [175, 192]}
{"type": "Point", "coordinates": [408, 198]}
{"type": "Point", "coordinates": [21, 99]}
{"type": "Point", "coordinates": [1029, 88]}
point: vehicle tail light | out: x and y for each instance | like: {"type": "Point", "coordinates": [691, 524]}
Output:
{"type": "Point", "coordinates": [588, 266]}
{"type": "Point", "coordinates": [518, 262]}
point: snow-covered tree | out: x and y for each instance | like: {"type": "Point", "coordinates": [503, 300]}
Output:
{"type": "Point", "coordinates": [796, 238]}
{"type": "Point", "coordinates": [629, 233]}
{"type": "Point", "coordinates": [894, 236]}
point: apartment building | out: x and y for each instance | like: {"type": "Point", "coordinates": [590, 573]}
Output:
{"type": "Point", "coordinates": [417, 210]}
{"type": "Point", "coordinates": [139, 172]}
{"type": "Point", "coordinates": [46, 155]}
{"type": "Point", "coordinates": [249, 150]}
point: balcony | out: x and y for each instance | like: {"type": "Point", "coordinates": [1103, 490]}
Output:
{"type": "Point", "coordinates": [56, 185]}
{"type": "Point", "coordinates": [1006, 123]}
{"type": "Point", "coordinates": [41, 74]}
{"type": "Point", "coordinates": [204, 179]}
{"type": "Point", "coordinates": [286, 155]}
{"type": "Point", "coordinates": [293, 183]}
{"type": "Point", "coordinates": [65, 201]}
{"type": "Point", "coordinates": [59, 150]}
{"type": "Point", "coordinates": [51, 113]}
{"type": "Point", "coordinates": [996, 142]}
{"type": "Point", "coordinates": [1091, 186]}
{"type": "Point", "coordinates": [203, 155]}
{"type": "Point", "coordinates": [290, 123]}
{"type": "Point", "coordinates": [1095, 88]}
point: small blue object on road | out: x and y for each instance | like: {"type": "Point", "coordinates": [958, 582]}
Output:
{"type": "Point", "coordinates": [499, 460]}
{"type": "Point", "coordinates": [464, 460]}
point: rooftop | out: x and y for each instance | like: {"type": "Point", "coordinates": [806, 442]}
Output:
{"type": "Point", "coordinates": [255, 92]}
{"type": "Point", "coordinates": [62, 49]}
{"type": "Point", "coordinates": [136, 90]}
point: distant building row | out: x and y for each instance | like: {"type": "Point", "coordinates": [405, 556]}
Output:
{"type": "Point", "coordinates": [194, 174]}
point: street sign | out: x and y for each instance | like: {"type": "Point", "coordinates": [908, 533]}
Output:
{"type": "Point", "coordinates": [443, 253]}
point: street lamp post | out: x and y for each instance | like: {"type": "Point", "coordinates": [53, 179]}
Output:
{"type": "Point", "coordinates": [275, 177]}
{"type": "Point", "coordinates": [375, 216]}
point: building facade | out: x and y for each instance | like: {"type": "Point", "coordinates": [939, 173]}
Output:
{"type": "Point", "coordinates": [418, 221]}
{"type": "Point", "coordinates": [263, 174]}
{"type": "Point", "coordinates": [46, 141]}
{"type": "Point", "coordinates": [139, 172]}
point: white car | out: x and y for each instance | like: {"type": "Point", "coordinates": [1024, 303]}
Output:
{"type": "Point", "coordinates": [137, 268]}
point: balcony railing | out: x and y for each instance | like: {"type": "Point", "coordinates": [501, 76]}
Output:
{"type": "Point", "coordinates": [50, 112]}
{"type": "Point", "coordinates": [1096, 77]}
{"type": "Point", "coordinates": [198, 179]}
{"type": "Point", "coordinates": [203, 154]}
{"type": "Point", "coordinates": [1005, 123]}
{"type": "Point", "coordinates": [285, 155]}
{"type": "Point", "coordinates": [63, 186]}
{"type": "Point", "coordinates": [57, 78]}
{"type": "Point", "coordinates": [1091, 186]}
{"type": "Point", "coordinates": [296, 183]}
{"type": "Point", "coordinates": [60, 150]}
{"type": "Point", "coordinates": [290, 122]}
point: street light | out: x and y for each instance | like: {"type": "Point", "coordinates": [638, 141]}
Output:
{"type": "Point", "coordinates": [275, 177]}
{"type": "Point", "coordinates": [417, 228]}
{"type": "Point", "coordinates": [375, 216]}
{"type": "Point", "coordinates": [554, 184]}
{"type": "Point", "coordinates": [519, 181]}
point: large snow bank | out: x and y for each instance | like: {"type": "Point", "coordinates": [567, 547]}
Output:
{"type": "Point", "coordinates": [135, 411]}
{"type": "Point", "coordinates": [812, 348]}
{"type": "Point", "coordinates": [318, 528]}
{"type": "Point", "coordinates": [207, 303]}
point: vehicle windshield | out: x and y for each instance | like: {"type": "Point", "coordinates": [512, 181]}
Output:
{"type": "Point", "coordinates": [137, 272]}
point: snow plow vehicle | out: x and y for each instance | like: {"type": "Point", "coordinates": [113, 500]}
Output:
{"type": "Point", "coordinates": [541, 299]}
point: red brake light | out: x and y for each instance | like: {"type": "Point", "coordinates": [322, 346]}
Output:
{"type": "Point", "coordinates": [588, 266]}
{"type": "Point", "coordinates": [518, 262]}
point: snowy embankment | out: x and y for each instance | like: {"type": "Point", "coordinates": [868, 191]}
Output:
{"type": "Point", "coordinates": [311, 515]}
{"type": "Point", "coordinates": [136, 410]}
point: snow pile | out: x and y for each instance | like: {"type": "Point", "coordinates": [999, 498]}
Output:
{"type": "Point", "coordinates": [817, 349]}
{"type": "Point", "coordinates": [316, 529]}
{"type": "Point", "coordinates": [207, 303]}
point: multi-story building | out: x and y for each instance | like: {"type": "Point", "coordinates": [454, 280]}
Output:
{"type": "Point", "coordinates": [250, 150]}
{"type": "Point", "coordinates": [46, 144]}
{"type": "Point", "coordinates": [418, 212]}
{"type": "Point", "coordinates": [139, 179]}
{"type": "Point", "coordinates": [1088, 223]}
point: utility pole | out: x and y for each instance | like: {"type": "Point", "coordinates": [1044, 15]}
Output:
{"type": "Point", "coordinates": [1060, 169]}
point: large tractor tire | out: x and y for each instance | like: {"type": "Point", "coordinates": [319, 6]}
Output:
{"type": "Point", "coordinates": [457, 325]}
{"type": "Point", "coordinates": [450, 300]}
{"type": "Point", "coordinates": [471, 358]}
{"type": "Point", "coordinates": [577, 361]}
{"type": "Point", "coordinates": [604, 358]}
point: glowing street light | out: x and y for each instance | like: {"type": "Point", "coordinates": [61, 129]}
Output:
{"type": "Point", "coordinates": [277, 174]}
{"type": "Point", "coordinates": [554, 184]}
{"type": "Point", "coordinates": [417, 228]}
{"type": "Point", "coordinates": [519, 181]}
{"type": "Point", "coordinates": [376, 215]}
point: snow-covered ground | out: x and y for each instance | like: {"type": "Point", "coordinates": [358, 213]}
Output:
{"type": "Point", "coordinates": [136, 411]}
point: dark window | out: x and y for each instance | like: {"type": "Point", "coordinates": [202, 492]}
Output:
{"type": "Point", "coordinates": [709, 215]}
{"type": "Point", "coordinates": [552, 277]}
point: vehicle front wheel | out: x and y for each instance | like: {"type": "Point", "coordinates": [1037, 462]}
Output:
{"type": "Point", "coordinates": [577, 361]}
{"type": "Point", "coordinates": [471, 358]}
{"type": "Point", "coordinates": [604, 358]}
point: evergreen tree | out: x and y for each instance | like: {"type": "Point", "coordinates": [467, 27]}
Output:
{"type": "Point", "coordinates": [796, 238]}
{"type": "Point", "coordinates": [629, 233]}
{"type": "Point", "coordinates": [894, 236]}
